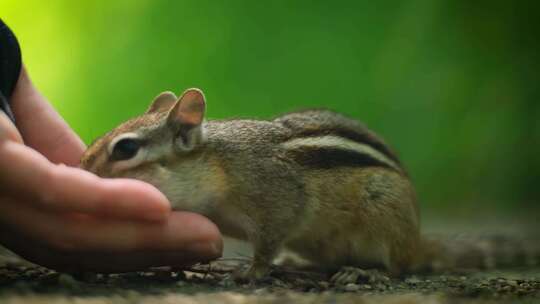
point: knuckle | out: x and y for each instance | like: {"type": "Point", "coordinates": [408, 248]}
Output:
{"type": "Point", "coordinates": [49, 195]}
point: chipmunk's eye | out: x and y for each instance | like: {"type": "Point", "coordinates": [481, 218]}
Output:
{"type": "Point", "coordinates": [125, 149]}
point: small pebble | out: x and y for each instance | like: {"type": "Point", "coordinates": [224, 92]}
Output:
{"type": "Point", "coordinates": [412, 280]}
{"type": "Point", "coordinates": [366, 286]}
{"type": "Point", "coordinates": [324, 284]}
{"type": "Point", "coordinates": [352, 287]}
{"type": "Point", "coordinates": [67, 281]}
{"type": "Point", "coordinates": [50, 278]}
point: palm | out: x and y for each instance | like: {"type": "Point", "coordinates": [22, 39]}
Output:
{"type": "Point", "coordinates": [66, 218]}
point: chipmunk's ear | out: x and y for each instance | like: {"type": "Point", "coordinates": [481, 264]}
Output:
{"type": "Point", "coordinates": [186, 117]}
{"type": "Point", "coordinates": [162, 102]}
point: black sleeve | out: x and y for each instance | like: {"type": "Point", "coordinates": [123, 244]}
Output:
{"type": "Point", "coordinates": [10, 67]}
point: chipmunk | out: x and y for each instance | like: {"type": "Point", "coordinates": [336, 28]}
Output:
{"type": "Point", "coordinates": [314, 182]}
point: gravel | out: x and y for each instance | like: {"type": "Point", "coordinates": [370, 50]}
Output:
{"type": "Point", "coordinates": [21, 282]}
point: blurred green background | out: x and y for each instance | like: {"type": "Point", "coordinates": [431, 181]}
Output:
{"type": "Point", "coordinates": [452, 85]}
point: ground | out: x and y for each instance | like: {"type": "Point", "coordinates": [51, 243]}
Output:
{"type": "Point", "coordinates": [22, 282]}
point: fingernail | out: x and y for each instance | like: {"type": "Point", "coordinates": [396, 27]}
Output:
{"type": "Point", "coordinates": [158, 212]}
{"type": "Point", "coordinates": [210, 250]}
{"type": "Point", "coordinates": [155, 216]}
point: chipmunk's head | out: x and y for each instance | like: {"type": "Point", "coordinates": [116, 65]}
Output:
{"type": "Point", "coordinates": [163, 147]}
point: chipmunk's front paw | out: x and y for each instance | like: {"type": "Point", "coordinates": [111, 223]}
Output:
{"type": "Point", "coordinates": [254, 273]}
{"type": "Point", "coordinates": [355, 275]}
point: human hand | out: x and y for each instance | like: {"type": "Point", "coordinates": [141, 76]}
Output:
{"type": "Point", "coordinates": [65, 218]}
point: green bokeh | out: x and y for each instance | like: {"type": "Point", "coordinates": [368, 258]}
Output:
{"type": "Point", "coordinates": [452, 85]}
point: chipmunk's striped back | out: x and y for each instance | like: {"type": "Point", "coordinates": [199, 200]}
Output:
{"type": "Point", "coordinates": [325, 139]}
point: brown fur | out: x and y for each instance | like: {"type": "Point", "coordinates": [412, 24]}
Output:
{"type": "Point", "coordinates": [242, 177]}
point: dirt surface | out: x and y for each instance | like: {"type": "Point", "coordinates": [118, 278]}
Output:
{"type": "Point", "coordinates": [21, 282]}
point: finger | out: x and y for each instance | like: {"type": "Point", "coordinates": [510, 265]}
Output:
{"type": "Point", "coordinates": [36, 251]}
{"type": "Point", "coordinates": [182, 231]}
{"type": "Point", "coordinates": [8, 130]}
{"type": "Point", "coordinates": [27, 173]}
{"type": "Point", "coordinates": [42, 127]}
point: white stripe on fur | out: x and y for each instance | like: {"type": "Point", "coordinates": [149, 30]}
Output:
{"type": "Point", "coordinates": [332, 141]}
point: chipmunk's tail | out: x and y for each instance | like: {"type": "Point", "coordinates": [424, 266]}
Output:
{"type": "Point", "coordinates": [477, 252]}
